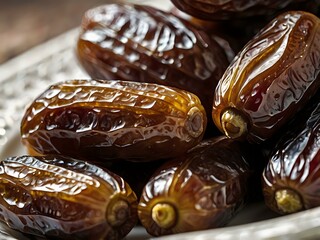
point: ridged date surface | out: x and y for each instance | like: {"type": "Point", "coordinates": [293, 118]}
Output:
{"type": "Point", "coordinates": [202, 190]}
{"type": "Point", "coordinates": [271, 79]}
{"type": "Point", "coordinates": [229, 9]}
{"type": "Point", "coordinates": [141, 43]}
{"type": "Point", "coordinates": [101, 120]}
{"type": "Point", "coordinates": [64, 198]}
{"type": "Point", "coordinates": [291, 178]}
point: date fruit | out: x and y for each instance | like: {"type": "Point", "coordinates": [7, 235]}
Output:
{"type": "Point", "coordinates": [215, 30]}
{"type": "Point", "coordinates": [202, 190]}
{"type": "Point", "coordinates": [291, 178]}
{"type": "Point", "coordinates": [107, 120]}
{"type": "Point", "coordinates": [230, 9]}
{"type": "Point", "coordinates": [63, 198]}
{"type": "Point", "coordinates": [142, 43]}
{"type": "Point", "coordinates": [271, 79]}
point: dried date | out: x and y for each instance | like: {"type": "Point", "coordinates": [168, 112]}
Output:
{"type": "Point", "coordinates": [102, 120]}
{"type": "Point", "coordinates": [271, 79]}
{"type": "Point", "coordinates": [145, 44]}
{"type": "Point", "coordinates": [290, 179]}
{"type": "Point", "coordinates": [201, 190]}
{"type": "Point", "coordinates": [64, 198]}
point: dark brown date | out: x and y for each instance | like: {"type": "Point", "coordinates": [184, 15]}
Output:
{"type": "Point", "coordinates": [141, 43]}
{"type": "Point", "coordinates": [215, 30]}
{"type": "Point", "coordinates": [64, 198]}
{"type": "Point", "coordinates": [236, 32]}
{"type": "Point", "coordinates": [201, 190]}
{"type": "Point", "coordinates": [101, 120]}
{"type": "Point", "coordinates": [291, 178]}
{"type": "Point", "coordinates": [231, 9]}
{"type": "Point", "coordinates": [271, 79]}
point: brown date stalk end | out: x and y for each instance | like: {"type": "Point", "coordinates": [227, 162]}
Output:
{"type": "Point", "coordinates": [164, 215]}
{"type": "Point", "coordinates": [288, 201]}
{"type": "Point", "coordinates": [118, 213]}
{"type": "Point", "coordinates": [234, 123]}
{"type": "Point", "coordinates": [195, 122]}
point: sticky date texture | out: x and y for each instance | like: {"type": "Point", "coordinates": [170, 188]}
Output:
{"type": "Point", "coordinates": [141, 43]}
{"type": "Point", "coordinates": [205, 188]}
{"type": "Point", "coordinates": [295, 165]}
{"type": "Point", "coordinates": [64, 198]}
{"type": "Point", "coordinates": [113, 119]}
{"type": "Point", "coordinates": [273, 76]}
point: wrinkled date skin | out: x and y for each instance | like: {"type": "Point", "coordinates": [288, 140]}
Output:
{"type": "Point", "coordinates": [215, 30]}
{"type": "Point", "coordinates": [202, 190]}
{"type": "Point", "coordinates": [64, 198]}
{"type": "Point", "coordinates": [107, 120]}
{"type": "Point", "coordinates": [291, 178]}
{"type": "Point", "coordinates": [141, 43]}
{"type": "Point", "coordinates": [230, 9]}
{"type": "Point", "coordinates": [271, 79]}
{"type": "Point", "coordinates": [237, 31]}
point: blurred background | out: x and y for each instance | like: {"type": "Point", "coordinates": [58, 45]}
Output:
{"type": "Point", "coordinates": [27, 23]}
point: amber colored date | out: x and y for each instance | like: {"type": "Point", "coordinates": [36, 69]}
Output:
{"type": "Point", "coordinates": [201, 190]}
{"type": "Point", "coordinates": [101, 120]}
{"type": "Point", "coordinates": [271, 79]}
{"type": "Point", "coordinates": [291, 178]}
{"type": "Point", "coordinates": [141, 43]}
{"type": "Point", "coordinates": [232, 9]}
{"type": "Point", "coordinates": [64, 198]}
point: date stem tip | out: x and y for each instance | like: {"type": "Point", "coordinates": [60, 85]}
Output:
{"type": "Point", "coordinates": [195, 122]}
{"type": "Point", "coordinates": [234, 123]}
{"type": "Point", "coordinates": [118, 212]}
{"type": "Point", "coordinates": [164, 215]}
{"type": "Point", "coordinates": [288, 201]}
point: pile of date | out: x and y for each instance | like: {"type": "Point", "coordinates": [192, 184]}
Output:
{"type": "Point", "coordinates": [189, 115]}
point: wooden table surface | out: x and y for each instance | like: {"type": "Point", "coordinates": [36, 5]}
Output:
{"type": "Point", "coordinates": [27, 23]}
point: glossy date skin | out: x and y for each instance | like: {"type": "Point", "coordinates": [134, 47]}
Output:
{"type": "Point", "coordinates": [231, 9]}
{"type": "Point", "coordinates": [271, 79]}
{"type": "Point", "coordinates": [291, 177]}
{"type": "Point", "coordinates": [201, 190]}
{"type": "Point", "coordinates": [141, 43]}
{"type": "Point", "coordinates": [63, 198]}
{"type": "Point", "coordinates": [110, 120]}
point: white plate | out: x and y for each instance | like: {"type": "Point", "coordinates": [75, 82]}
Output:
{"type": "Point", "coordinates": [26, 76]}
